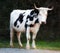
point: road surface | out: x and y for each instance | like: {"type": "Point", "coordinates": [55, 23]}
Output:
{"type": "Point", "coordinates": [17, 50]}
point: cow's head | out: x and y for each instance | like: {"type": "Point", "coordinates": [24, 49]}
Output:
{"type": "Point", "coordinates": [43, 12]}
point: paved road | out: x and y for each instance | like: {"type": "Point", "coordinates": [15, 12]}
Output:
{"type": "Point", "coordinates": [17, 50]}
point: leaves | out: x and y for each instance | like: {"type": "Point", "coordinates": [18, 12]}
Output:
{"type": "Point", "coordinates": [53, 21]}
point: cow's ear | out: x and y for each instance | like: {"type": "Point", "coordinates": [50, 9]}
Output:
{"type": "Point", "coordinates": [36, 11]}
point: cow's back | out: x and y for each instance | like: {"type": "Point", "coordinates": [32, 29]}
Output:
{"type": "Point", "coordinates": [15, 17]}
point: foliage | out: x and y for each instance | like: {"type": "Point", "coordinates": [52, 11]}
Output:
{"type": "Point", "coordinates": [40, 45]}
{"type": "Point", "coordinates": [50, 31]}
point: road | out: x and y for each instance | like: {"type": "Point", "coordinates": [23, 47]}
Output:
{"type": "Point", "coordinates": [17, 50]}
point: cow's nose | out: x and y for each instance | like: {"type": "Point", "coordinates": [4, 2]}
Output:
{"type": "Point", "coordinates": [43, 22]}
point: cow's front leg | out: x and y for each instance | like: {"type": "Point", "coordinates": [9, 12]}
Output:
{"type": "Point", "coordinates": [19, 39]}
{"type": "Point", "coordinates": [28, 37]}
{"type": "Point", "coordinates": [33, 41]}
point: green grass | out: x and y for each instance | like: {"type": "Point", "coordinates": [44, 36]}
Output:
{"type": "Point", "coordinates": [39, 44]}
{"type": "Point", "coordinates": [48, 45]}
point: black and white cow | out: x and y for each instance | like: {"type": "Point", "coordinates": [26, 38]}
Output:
{"type": "Point", "coordinates": [27, 21]}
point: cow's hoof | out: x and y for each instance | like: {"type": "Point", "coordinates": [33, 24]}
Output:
{"type": "Point", "coordinates": [34, 47]}
{"type": "Point", "coordinates": [27, 47]}
{"type": "Point", "coordinates": [11, 46]}
{"type": "Point", "coordinates": [20, 46]}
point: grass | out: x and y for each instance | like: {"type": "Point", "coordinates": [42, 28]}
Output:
{"type": "Point", "coordinates": [39, 44]}
{"type": "Point", "coordinates": [48, 45]}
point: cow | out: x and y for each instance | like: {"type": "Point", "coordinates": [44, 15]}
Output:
{"type": "Point", "coordinates": [27, 21]}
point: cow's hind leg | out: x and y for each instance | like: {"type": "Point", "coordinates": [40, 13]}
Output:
{"type": "Point", "coordinates": [19, 40]}
{"type": "Point", "coordinates": [11, 37]}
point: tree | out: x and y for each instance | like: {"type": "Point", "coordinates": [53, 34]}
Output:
{"type": "Point", "coordinates": [50, 31]}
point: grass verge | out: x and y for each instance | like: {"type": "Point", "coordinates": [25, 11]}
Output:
{"type": "Point", "coordinates": [39, 44]}
{"type": "Point", "coordinates": [48, 45]}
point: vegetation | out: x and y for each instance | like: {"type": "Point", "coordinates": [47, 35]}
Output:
{"type": "Point", "coordinates": [48, 45]}
{"type": "Point", "coordinates": [48, 32]}
{"type": "Point", "coordinates": [40, 45]}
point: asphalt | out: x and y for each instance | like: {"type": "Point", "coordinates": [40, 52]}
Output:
{"type": "Point", "coordinates": [17, 50]}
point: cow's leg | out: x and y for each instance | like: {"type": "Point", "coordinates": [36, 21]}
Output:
{"type": "Point", "coordinates": [28, 37]}
{"type": "Point", "coordinates": [19, 41]}
{"type": "Point", "coordinates": [11, 37]}
{"type": "Point", "coordinates": [33, 41]}
{"type": "Point", "coordinates": [34, 31]}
